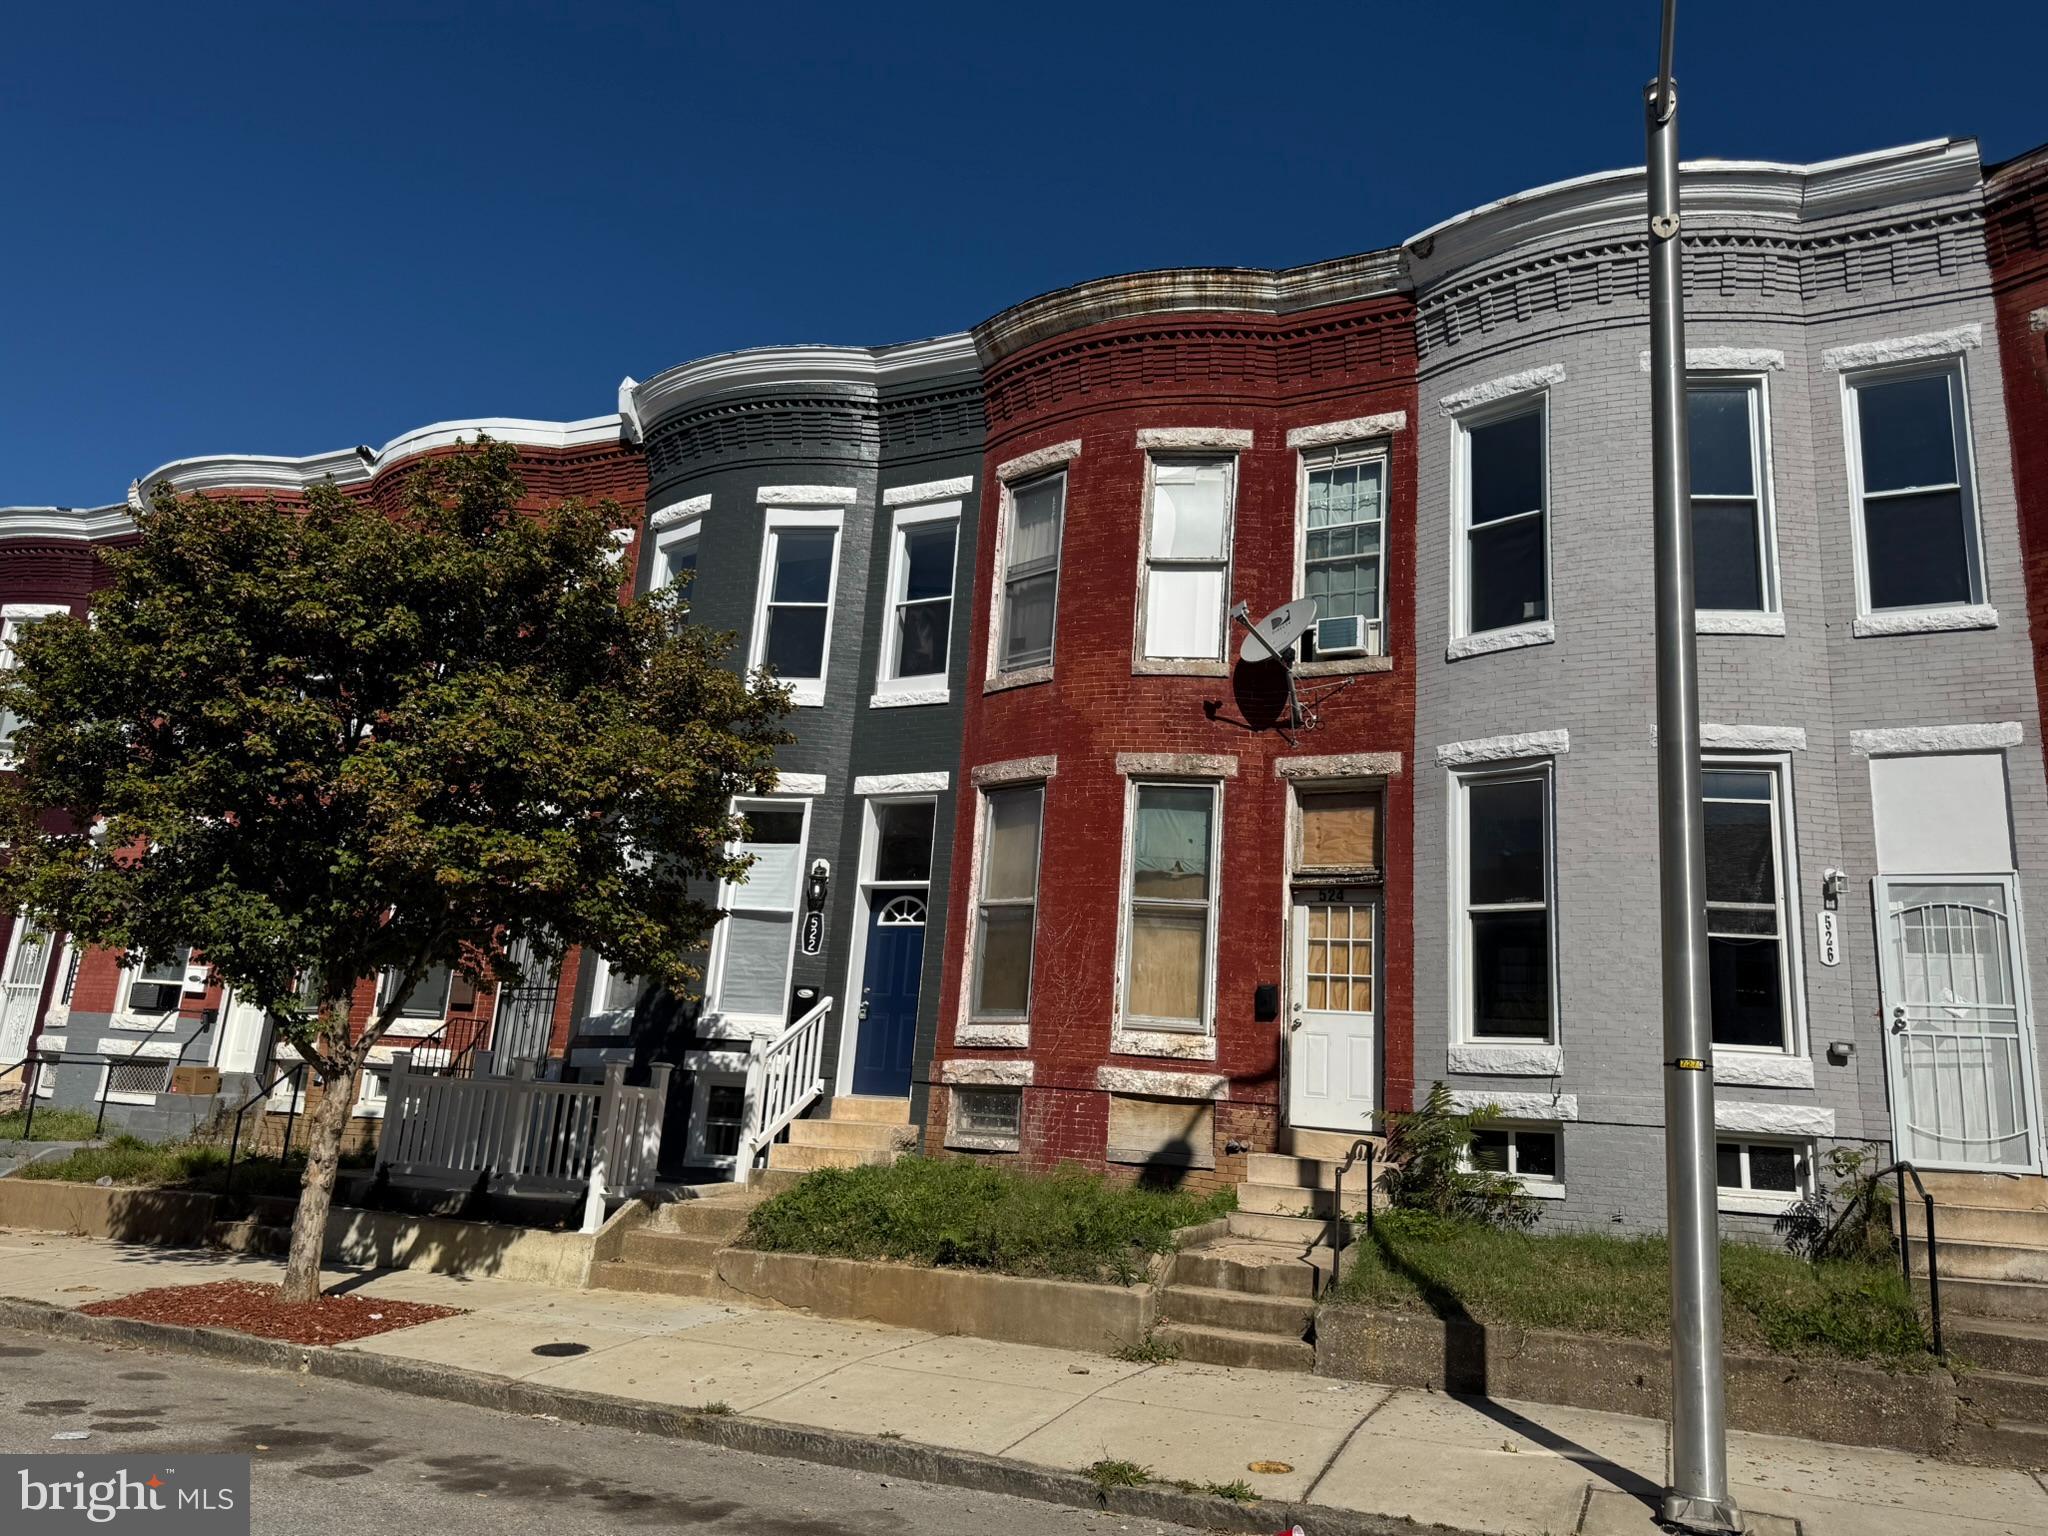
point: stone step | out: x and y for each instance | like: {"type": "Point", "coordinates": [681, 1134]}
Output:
{"type": "Point", "coordinates": [1253, 1269]}
{"type": "Point", "coordinates": [2019, 1192]}
{"type": "Point", "coordinates": [2021, 1300]}
{"type": "Point", "coordinates": [1994, 1344]}
{"type": "Point", "coordinates": [1294, 1200]}
{"type": "Point", "coordinates": [1306, 1172]}
{"type": "Point", "coordinates": [856, 1135]}
{"type": "Point", "coordinates": [1329, 1146]}
{"type": "Point", "coordinates": [1985, 1261]}
{"type": "Point", "coordinates": [1284, 1317]}
{"type": "Point", "coordinates": [654, 1279]}
{"type": "Point", "coordinates": [654, 1246]}
{"type": "Point", "coordinates": [802, 1158]}
{"type": "Point", "coordinates": [2004, 1396]}
{"type": "Point", "coordinates": [1227, 1346]}
{"type": "Point", "coordinates": [1977, 1223]}
{"type": "Point", "coordinates": [724, 1218]}
{"type": "Point", "coordinates": [2024, 1446]}
{"type": "Point", "coordinates": [1303, 1233]}
{"type": "Point", "coordinates": [871, 1108]}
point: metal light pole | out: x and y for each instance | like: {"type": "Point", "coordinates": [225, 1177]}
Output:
{"type": "Point", "coordinates": [1697, 1499]}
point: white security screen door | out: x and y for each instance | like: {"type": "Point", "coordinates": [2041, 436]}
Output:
{"type": "Point", "coordinates": [1959, 1035]}
{"type": "Point", "coordinates": [1332, 1077]}
{"type": "Point", "coordinates": [28, 962]}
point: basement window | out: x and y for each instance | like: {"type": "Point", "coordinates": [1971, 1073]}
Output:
{"type": "Point", "coordinates": [1528, 1153]}
{"type": "Point", "coordinates": [986, 1119]}
{"type": "Point", "coordinates": [1764, 1177]}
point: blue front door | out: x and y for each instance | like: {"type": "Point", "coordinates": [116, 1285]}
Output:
{"type": "Point", "coordinates": [888, 1001]}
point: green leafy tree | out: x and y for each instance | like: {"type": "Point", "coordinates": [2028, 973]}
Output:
{"type": "Point", "coordinates": [323, 743]}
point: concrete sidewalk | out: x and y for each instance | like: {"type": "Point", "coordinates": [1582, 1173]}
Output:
{"type": "Point", "coordinates": [1480, 1465]}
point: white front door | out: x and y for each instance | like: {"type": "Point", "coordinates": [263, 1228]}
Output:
{"type": "Point", "coordinates": [241, 1036]}
{"type": "Point", "coordinates": [1332, 1070]}
{"type": "Point", "coordinates": [28, 964]}
{"type": "Point", "coordinates": [1959, 1035]}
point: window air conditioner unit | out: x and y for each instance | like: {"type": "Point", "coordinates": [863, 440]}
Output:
{"type": "Point", "coordinates": [1350, 635]}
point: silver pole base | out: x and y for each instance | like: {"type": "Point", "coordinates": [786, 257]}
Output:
{"type": "Point", "coordinates": [1701, 1517]}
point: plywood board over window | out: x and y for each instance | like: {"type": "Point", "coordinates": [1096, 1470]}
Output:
{"type": "Point", "coordinates": [1169, 1133]}
{"type": "Point", "coordinates": [1339, 830]}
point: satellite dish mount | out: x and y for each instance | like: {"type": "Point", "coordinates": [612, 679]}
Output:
{"type": "Point", "coordinates": [1272, 639]}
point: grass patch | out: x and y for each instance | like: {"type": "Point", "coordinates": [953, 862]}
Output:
{"type": "Point", "coordinates": [186, 1165]}
{"type": "Point", "coordinates": [1584, 1283]}
{"type": "Point", "coordinates": [1108, 1473]}
{"type": "Point", "coordinates": [1067, 1225]}
{"type": "Point", "coordinates": [50, 1125]}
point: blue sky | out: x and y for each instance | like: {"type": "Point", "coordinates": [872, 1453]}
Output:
{"type": "Point", "coordinates": [290, 228]}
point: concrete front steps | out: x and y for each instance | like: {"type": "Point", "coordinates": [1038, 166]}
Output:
{"type": "Point", "coordinates": [1991, 1231]}
{"type": "Point", "coordinates": [675, 1252]}
{"type": "Point", "coordinates": [1245, 1299]}
{"type": "Point", "coordinates": [855, 1130]}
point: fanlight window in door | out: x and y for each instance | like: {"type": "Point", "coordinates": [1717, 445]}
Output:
{"type": "Point", "coordinates": [1338, 975]}
{"type": "Point", "coordinates": [902, 912]}
{"type": "Point", "coordinates": [1956, 1016]}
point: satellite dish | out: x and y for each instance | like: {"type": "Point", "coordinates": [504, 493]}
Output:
{"type": "Point", "coordinates": [1277, 630]}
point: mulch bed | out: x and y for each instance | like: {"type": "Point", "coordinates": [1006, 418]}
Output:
{"type": "Point", "coordinates": [246, 1307]}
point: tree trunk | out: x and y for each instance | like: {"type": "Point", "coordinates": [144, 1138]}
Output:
{"type": "Point", "coordinates": [326, 1121]}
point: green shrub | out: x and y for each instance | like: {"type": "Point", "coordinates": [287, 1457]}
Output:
{"type": "Point", "coordinates": [1430, 1172]}
{"type": "Point", "coordinates": [1847, 1194]}
{"type": "Point", "coordinates": [959, 1213]}
{"type": "Point", "coordinates": [1620, 1286]}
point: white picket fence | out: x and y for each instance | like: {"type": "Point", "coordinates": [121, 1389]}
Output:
{"type": "Point", "coordinates": [784, 1077]}
{"type": "Point", "coordinates": [525, 1135]}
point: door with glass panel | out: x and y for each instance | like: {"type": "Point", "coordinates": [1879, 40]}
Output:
{"type": "Point", "coordinates": [896, 892]}
{"type": "Point", "coordinates": [28, 963]}
{"type": "Point", "coordinates": [1959, 1034]}
{"type": "Point", "coordinates": [1332, 1070]}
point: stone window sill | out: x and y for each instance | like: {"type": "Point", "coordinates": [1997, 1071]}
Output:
{"type": "Point", "coordinates": [1756, 1202]}
{"type": "Point", "coordinates": [910, 697]}
{"type": "Point", "coordinates": [1504, 1059]}
{"type": "Point", "coordinates": [1720, 621]}
{"type": "Point", "coordinates": [1926, 621]}
{"type": "Point", "coordinates": [1761, 1069]}
{"type": "Point", "coordinates": [1515, 639]}
{"type": "Point", "coordinates": [1023, 677]}
{"type": "Point", "coordinates": [1344, 666]}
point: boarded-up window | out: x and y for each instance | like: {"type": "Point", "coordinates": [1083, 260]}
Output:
{"type": "Point", "coordinates": [1340, 829]}
{"type": "Point", "coordinates": [1170, 1133]}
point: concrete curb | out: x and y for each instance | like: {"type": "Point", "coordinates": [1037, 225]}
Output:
{"type": "Point", "coordinates": [862, 1453]}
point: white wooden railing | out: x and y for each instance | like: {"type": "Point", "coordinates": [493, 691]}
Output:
{"type": "Point", "coordinates": [784, 1078]}
{"type": "Point", "coordinates": [524, 1134]}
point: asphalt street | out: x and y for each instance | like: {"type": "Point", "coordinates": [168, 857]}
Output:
{"type": "Point", "coordinates": [330, 1457]}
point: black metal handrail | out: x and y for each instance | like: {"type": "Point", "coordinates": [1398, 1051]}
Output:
{"type": "Point", "coordinates": [1899, 1171]}
{"type": "Point", "coordinates": [1368, 1149]}
{"type": "Point", "coordinates": [31, 1067]}
{"type": "Point", "coordinates": [170, 1068]}
{"type": "Point", "coordinates": [262, 1095]}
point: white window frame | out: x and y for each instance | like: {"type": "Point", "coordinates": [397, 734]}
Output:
{"type": "Point", "coordinates": [805, 692]}
{"type": "Point", "coordinates": [1791, 919]}
{"type": "Point", "coordinates": [1126, 1023]}
{"type": "Point", "coordinates": [1761, 477]}
{"type": "Point", "coordinates": [1462, 427]}
{"type": "Point", "coordinates": [975, 1028]}
{"type": "Point", "coordinates": [1537, 1186]}
{"type": "Point", "coordinates": [124, 1017]}
{"type": "Point", "coordinates": [1338, 456]}
{"type": "Point", "coordinates": [1763, 1202]}
{"type": "Point", "coordinates": [14, 618]}
{"type": "Point", "coordinates": [706, 1069]}
{"type": "Point", "coordinates": [928, 687]}
{"type": "Point", "coordinates": [660, 574]}
{"type": "Point", "coordinates": [597, 1019]}
{"type": "Point", "coordinates": [1461, 991]}
{"type": "Point", "coordinates": [414, 1025]}
{"type": "Point", "coordinates": [732, 898]}
{"type": "Point", "coordinates": [1142, 660]}
{"type": "Point", "coordinates": [1954, 370]}
{"type": "Point", "coordinates": [999, 675]}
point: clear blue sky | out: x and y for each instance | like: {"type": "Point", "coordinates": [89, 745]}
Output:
{"type": "Point", "coordinates": [289, 228]}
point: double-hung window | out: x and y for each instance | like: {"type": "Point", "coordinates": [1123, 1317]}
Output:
{"type": "Point", "coordinates": [1749, 967]}
{"type": "Point", "coordinates": [917, 638]}
{"type": "Point", "coordinates": [758, 936]}
{"type": "Point", "coordinates": [429, 996]}
{"type": "Point", "coordinates": [1187, 558]}
{"type": "Point", "coordinates": [1504, 890]}
{"type": "Point", "coordinates": [1344, 519]}
{"type": "Point", "coordinates": [1504, 518]}
{"type": "Point", "coordinates": [675, 556]}
{"type": "Point", "coordinates": [1170, 906]}
{"type": "Point", "coordinates": [155, 985]}
{"type": "Point", "coordinates": [15, 618]}
{"type": "Point", "coordinates": [1036, 510]}
{"type": "Point", "coordinates": [1731, 528]}
{"type": "Point", "coordinates": [1916, 517]}
{"type": "Point", "coordinates": [793, 622]}
{"type": "Point", "coordinates": [1006, 909]}
{"type": "Point", "coordinates": [614, 996]}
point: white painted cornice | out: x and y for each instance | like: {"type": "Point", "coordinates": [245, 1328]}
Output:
{"type": "Point", "coordinates": [1758, 189]}
{"type": "Point", "coordinates": [83, 525]}
{"type": "Point", "coordinates": [353, 466]}
{"type": "Point", "coordinates": [643, 403]}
